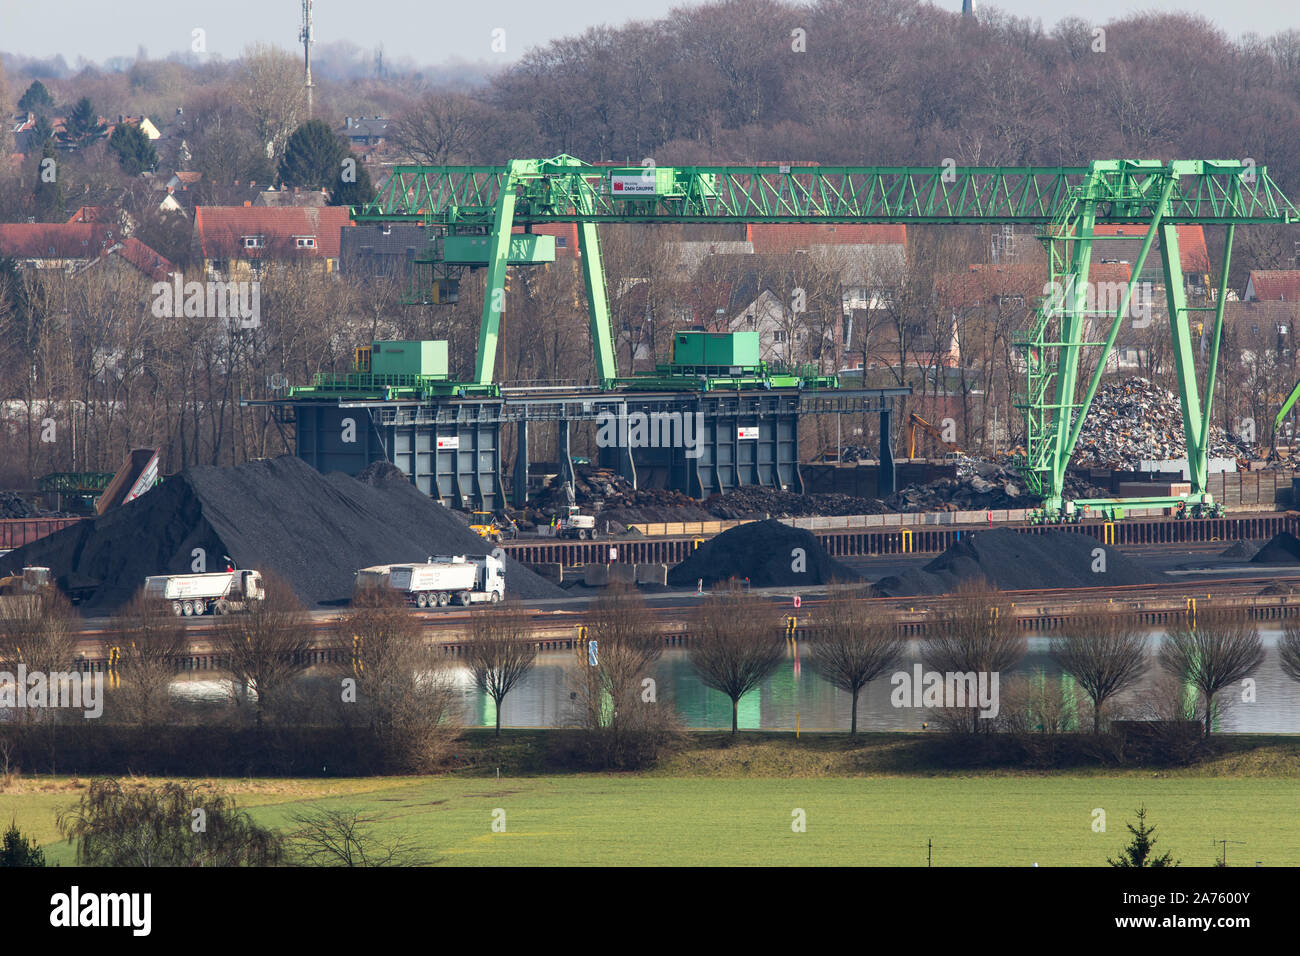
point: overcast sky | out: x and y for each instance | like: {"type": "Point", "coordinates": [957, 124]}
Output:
{"type": "Point", "coordinates": [433, 31]}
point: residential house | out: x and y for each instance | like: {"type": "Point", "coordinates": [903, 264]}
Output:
{"type": "Point", "coordinates": [1273, 285]}
{"type": "Point", "coordinates": [76, 247]}
{"type": "Point", "coordinates": [234, 241]}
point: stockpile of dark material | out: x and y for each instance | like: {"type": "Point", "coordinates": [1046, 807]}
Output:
{"type": "Point", "coordinates": [1240, 549]}
{"type": "Point", "coordinates": [1282, 548]}
{"type": "Point", "coordinates": [282, 516]}
{"type": "Point", "coordinates": [611, 497]}
{"type": "Point", "coordinates": [763, 552]}
{"type": "Point", "coordinates": [753, 501]}
{"type": "Point", "coordinates": [14, 505]}
{"type": "Point", "coordinates": [1011, 561]}
{"type": "Point", "coordinates": [1135, 420]}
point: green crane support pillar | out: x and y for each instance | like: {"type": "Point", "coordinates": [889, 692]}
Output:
{"type": "Point", "coordinates": [593, 277]}
{"type": "Point", "coordinates": [494, 291]}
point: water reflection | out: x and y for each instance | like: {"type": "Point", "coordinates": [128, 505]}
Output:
{"type": "Point", "coordinates": [542, 699]}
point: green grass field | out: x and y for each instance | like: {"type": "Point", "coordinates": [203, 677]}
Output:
{"type": "Point", "coordinates": [598, 819]}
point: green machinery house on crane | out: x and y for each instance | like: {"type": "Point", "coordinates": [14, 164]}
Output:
{"type": "Point", "coordinates": [473, 210]}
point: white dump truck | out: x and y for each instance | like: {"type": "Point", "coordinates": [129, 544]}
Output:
{"type": "Point", "coordinates": [218, 592]}
{"type": "Point", "coordinates": [446, 578]}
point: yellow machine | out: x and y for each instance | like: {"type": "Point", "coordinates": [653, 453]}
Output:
{"type": "Point", "coordinates": [914, 422]}
{"type": "Point", "coordinates": [485, 526]}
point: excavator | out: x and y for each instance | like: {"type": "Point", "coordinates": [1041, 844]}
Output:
{"type": "Point", "coordinates": [1281, 415]}
{"type": "Point", "coordinates": [914, 422]}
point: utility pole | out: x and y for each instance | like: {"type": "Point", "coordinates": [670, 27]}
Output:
{"type": "Point", "coordinates": [305, 35]}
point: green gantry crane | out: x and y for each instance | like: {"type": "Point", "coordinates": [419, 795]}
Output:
{"type": "Point", "coordinates": [478, 206]}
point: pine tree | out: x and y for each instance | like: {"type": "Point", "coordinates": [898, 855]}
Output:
{"type": "Point", "coordinates": [354, 191]}
{"type": "Point", "coordinates": [17, 850]}
{"type": "Point", "coordinates": [134, 151]}
{"type": "Point", "coordinates": [313, 157]}
{"type": "Point", "coordinates": [82, 126]}
{"type": "Point", "coordinates": [36, 98]}
{"type": "Point", "coordinates": [1139, 850]}
{"type": "Point", "coordinates": [41, 134]}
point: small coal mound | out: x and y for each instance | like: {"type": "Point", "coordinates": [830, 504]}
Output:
{"type": "Point", "coordinates": [1282, 548]}
{"type": "Point", "coordinates": [1010, 561]}
{"type": "Point", "coordinates": [762, 552]}
{"type": "Point", "coordinates": [1240, 549]}
{"type": "Point", "coordinates": [282, 516]}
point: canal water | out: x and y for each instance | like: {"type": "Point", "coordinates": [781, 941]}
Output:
{"type": "Point", "coordinates": [542, 699]}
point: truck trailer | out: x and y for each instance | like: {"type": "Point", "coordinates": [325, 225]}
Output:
{"type": "Point", "coordinates": [442, 579]}
{"type": "Point", "coordinates": [218, 592]}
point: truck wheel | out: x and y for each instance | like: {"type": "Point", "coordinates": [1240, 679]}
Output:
{"type": "Point", "coordinates": [422, 599]}
{"type": "Point", "coordinates": [188, 608]}
{"type": "Point", "coordinates": [464, 599]}
{"type": "Point", "coordinates": [443, 599]}
{"type": "Point", "coordinates": [176, 608]}
{"type": "Point", "coordinates": [582, 534]}
{"type": "Point", "coordinates": [220, 608]}
{"type": "Point", "coordinates": [496, 598]}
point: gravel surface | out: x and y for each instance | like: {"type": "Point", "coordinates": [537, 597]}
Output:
{"type": "Point", "coordinates": [281, 515]}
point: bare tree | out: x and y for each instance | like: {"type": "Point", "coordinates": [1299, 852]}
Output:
{"type": "Point", "coordinates": [1105, 653]}
{"type": "Point", "coordinates": [1215, 649]}
{"type": "Point", "coordinates": [440, 128]}
{"type": "Point", "coordinates": [1288, 649]}
{"type": "Point", "coordinates": [346, 837]}
{"type": "Point", "coordinates": [736, 644]}
{"type": "Point", "coordinates": [500, 652]}
{"type": "Point", "coordinates": [855, 645]}
{"type": "Point", "coordinates": [266, 647]}
{"type": "Point", "coordinates": [150, 641]}
{"type": "Point", "coordinates": [972, 635]}
{"type": "Point", "coordinates": [405, 694]}
{"type": "Point", "coordinates": [624, 719]}
{"type": "Point", "coordinates": [271, 91]}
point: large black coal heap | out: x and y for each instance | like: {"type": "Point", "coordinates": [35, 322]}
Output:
{"type": "Point", "coordinates": [764, 552]}
{"type": "Point", "coordinates": [1011, 561]}
{"type": "Point", "coordinates": [279, 515]}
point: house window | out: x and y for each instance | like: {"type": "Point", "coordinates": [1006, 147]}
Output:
{"type": "Point", "coordinates": [254, 242]}
{"type": "Point", "coordinates": [780, 337]}
{"type": "Point", "coordinates": [305, 242]}
{"type": "Point", "coordinates": [561, 242]}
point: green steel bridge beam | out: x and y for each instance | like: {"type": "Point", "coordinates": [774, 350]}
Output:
{"type": "Point", "coordinates": [1069, 201]}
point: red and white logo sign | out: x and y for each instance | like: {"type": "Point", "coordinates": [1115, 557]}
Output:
{"type": "Point", "coordinates": [797, 601]}
{"type": "Point", "coordinates": [449, 443]}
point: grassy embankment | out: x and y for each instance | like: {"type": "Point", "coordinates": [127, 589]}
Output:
{"type": "Point", "coordinates": [718, 801]}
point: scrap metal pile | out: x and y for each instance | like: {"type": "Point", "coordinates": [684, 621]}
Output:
{"type": "Point", "coordinates": [1136, 420]}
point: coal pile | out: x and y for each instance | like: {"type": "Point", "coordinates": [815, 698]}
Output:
{"type": "Point", "coordinates": [763, 552]}
{"type": "Point", "coordinates": [1240, 550]}
{"type": "Point", "coordinates": [1011, 561]}
{"type": "Point", "coordinates": [753, 501]}
{"type": "Point", "coordinates": [14, 505]}
{"type": "Point", "coordinates": [611, 497]}
{"type": "Point", "coordinates": [1136, 420]}
{"type": "Point", "coordinates": [282, 516]}
{"type": "Point", "coordinates": [1282, 548]}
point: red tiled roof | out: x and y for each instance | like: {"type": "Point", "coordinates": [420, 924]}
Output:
{"type": "Point", "coordinates": [92, 214]}
{"type": "Point", "coordinates": [143, 258]}
{"type": "Point", "coordinates": [984, 281]}
{"type": "Point", "coordinates": [56, 240]}
{"type": "Point", "coordinates": [1275, 285]}
{"type": "Point", "coordinates": [221, 229]}
{"type": "Point", "coordinates": [1191, 244]}
{"type": "Point", "coordinates": [787, 237]}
